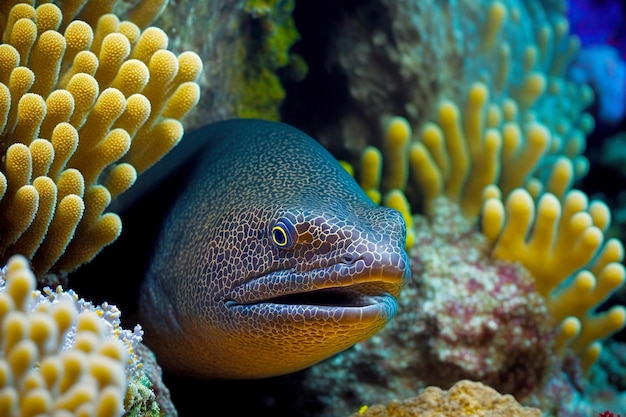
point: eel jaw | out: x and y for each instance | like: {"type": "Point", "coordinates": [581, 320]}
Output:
{"type": "Point", "coordinates": [329, 297]}
{"type": "Point", "coordinates": [334, 290]}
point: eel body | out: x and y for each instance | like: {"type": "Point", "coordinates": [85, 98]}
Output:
{"type": "Point", "coordinates": [271, 259]}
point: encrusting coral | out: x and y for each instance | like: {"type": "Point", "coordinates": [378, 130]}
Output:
{"type": "Point", "coordinates": [463, 398]}
{"type": "Point", "coordinates": [87, 103]}
{"type": "Point", "coordinates": [61, 356]}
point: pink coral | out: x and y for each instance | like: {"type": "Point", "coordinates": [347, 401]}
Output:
{"type": "Point", "coordinates": [482, 317]}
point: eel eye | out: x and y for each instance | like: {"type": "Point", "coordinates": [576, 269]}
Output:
{"type": "Point", "coordinates": [283, 234]}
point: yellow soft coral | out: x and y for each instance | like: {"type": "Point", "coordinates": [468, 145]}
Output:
{"type": "Point", "coordinates": [88, 102]}
{"type": "Point", "coordinates": [561, 244]}
{"type": "Point", "coordinates": [460, 154]}
{"type": "Point", "coordinates": [55, 357]}
{"type": "Point", "coordinates": [509, 155]}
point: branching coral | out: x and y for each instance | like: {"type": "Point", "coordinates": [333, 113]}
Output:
{"type": "Point", "coordinates": [87, 102]}
{"type": "Point", "coordinates": [60, 356]}
{"type": "Point", "coordinates": [562, 247]}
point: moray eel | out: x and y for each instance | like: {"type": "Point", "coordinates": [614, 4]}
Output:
{"type": "Point", "coordinates": [270, 260]}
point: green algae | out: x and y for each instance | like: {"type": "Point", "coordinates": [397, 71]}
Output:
{"type": "Point", "coordinates": [140, 398]}
{"type": "Point", "coordinates": [272, 33]}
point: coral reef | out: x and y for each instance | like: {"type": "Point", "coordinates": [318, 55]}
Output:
{"type": "Point", "coordinates": [87, 103]}
{"type": "Point", "coordinates": [602, 67]}
{"type": "Point", "coordinates": [509, 263]}
{"type": "Point", "coordinates": [60, 355]}
{"type": "Point", "coordinates": [461, 116]}
{"type": "Point", "coordinates": [463, 398]}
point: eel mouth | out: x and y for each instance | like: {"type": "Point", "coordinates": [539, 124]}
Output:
{"type": "Point", "coordinates": [337, 286]}
{"type": "Point", "coordinates": [329, 297]}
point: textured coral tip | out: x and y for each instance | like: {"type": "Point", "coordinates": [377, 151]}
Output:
{"type": "Point", "coordinates": [590, 355]}
{"type": "Point", "coordinates": [130, 30]}
{"type": "Point", "coordinates": [51, 44]}
{"type": "Point", "coordinates": [110, 402]}
{"type": "Point", "coordinates": [189, 66]}
{"type": "Point", "coordinates": [107, 371]}
{"type": "Point", "coordinates": [549, 207]}
{"type": "Point", "coordinates": [18, 165]}
{"type": "Point", "coordinates": [562, 176]}
{"type": "Point", "coordinates": [613, 251]}
{"type": "Point", "coordinates": [35, 402]}
{"type": "Point", "coordinates": [492, 218]}
{"type": "Point", "coordinates": [493, 24]}
{"type": "Point", "coordinates": [113, 349]}
{"type": "Point", "coordinates": [84, 62]}
{"type": "Point", "coordinates": [448, 113]}
{"type": "Point", "coordinates": [74, 364]}
{"type": "Point", "coordinates": [14, 328]}
{"type": "Point", "coordinates": [613, 275]}
{"type": "Point", "coordinates": [110, 105]}
{"type": "Point", "coordinates": [478, 94]}
{"type": "Point", "coordinates": [79, 396]}
{"type": "Point", "coordinates": [569, 328]}
{"type": "Point", "coordinates": [115, 49]}
{"type": "Point", "coordinates": [71, 182]}
{"type": "Point", "coordinates": [49, 17]}
{"type": "Point", "coordinates": [371, 168]}
{"type": "Point", "coordinates": [163, 67]}
{"type": "Point", "coordinates": [89, 321]}
{"type": "Point", "coordinates": [535, 84]}
{"type": "Point", "coordinates": [5, 376]}
{"type": "Point", "coordinates": [120, 179]}
{"type": "Point", "coordinates": [31, 109]}
{"type": "Point", "coordinates": [108, 228]}
{"type": "Point", "coordinates": [491, 191]}
{"type": "Point", "coordinates": [22, 357]}
{"type": "Point", "coordinates": [396, 199]}
{"type": "Point", "coordinates": [42, 153]}
{"type": "Point", "coordinates": [86, 341]}
{"type": "Point", "coordinates": [520, 202]}
{"type": "Point", "coordinates": [23, 36]}
{"type": "Point", "coordinates": [538, 135]}
{"type": "Point", "coordinates": [182, 101]}
{"type": "Point", "coordinates": [617, 317]}
{"type": "Point", "coordinates": [78, 36]}
{"type": "Point", "coordinates": [17, 263]}
{"type": "Point", "coordinates": [151, 40]}
{"type": "Point", "coordinates": [51, 370]}
{"type": "Point", "coordinates": [20, 281]}
{"type": "Point", "coordinates": [132, 77]}
{"type": "Point", "coordinates": [600, 214]}
{"type": "Point", "coordinates": [575, 201]}
{"type": "Point", "coordinates": [60, 105]}
{"type": "Point", "coordinates": [43, 331]}
{"type": "Point", "coordinates": [584, 282]}
{"type": "Point", "coordinates": [9, 59]}
{"type": "Point", "coordinates": [84, 88]}
{"type": "Point", "coordinates": [398, 131]}
{"type": "Point", "coordinates": [587, 245]}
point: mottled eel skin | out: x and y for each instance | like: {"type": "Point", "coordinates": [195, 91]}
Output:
{"type": "Point", "coordinates": [271, 260]}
